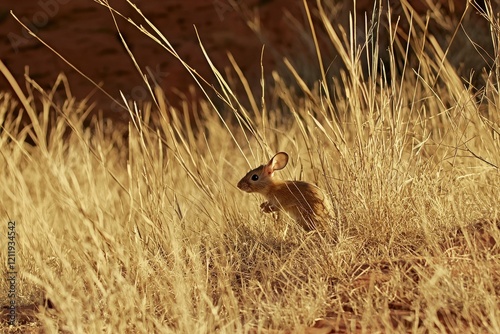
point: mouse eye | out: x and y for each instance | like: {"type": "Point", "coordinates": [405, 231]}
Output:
{"type": "Point", "coordinates": [255, 177]}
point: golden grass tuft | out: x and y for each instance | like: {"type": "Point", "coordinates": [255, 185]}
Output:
{"type": "Point", "coordinates": [142, 229]}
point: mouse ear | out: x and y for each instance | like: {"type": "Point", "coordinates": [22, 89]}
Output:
{"type": "Point", "coordinates": [279, 161]}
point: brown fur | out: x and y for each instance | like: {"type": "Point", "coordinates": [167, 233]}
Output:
{"type": "Point", "coordinates": [304, 201]}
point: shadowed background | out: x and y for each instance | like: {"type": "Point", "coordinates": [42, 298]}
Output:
{"type": "Point", "coordinates": [84, 33]}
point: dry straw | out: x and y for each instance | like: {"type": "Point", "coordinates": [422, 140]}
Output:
{"type": "Point", "coordinates": [143, 230]}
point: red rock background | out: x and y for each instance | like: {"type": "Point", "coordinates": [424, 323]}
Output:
{"type": "Point", "coordinates": [84, 33]}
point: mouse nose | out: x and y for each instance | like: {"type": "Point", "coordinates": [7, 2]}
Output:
{"type": "Point", "coordinates": [243, 185]}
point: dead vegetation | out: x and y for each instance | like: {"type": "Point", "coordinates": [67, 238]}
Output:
{"type": "Point", "coordinates": [142, 229]}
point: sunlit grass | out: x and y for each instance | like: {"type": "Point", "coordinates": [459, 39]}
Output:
{"type": "Point", "coordinates": [142, 229]}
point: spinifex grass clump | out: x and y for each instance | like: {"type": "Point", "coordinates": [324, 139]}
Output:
{"type": "Point", "coordinates": [150, 234]}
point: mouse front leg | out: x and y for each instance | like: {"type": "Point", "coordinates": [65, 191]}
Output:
{"type": "Point", "coordinates": [267, 207]}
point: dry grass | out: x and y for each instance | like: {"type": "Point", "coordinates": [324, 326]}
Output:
{"type": "Point", "coordinates": [143, 230]}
